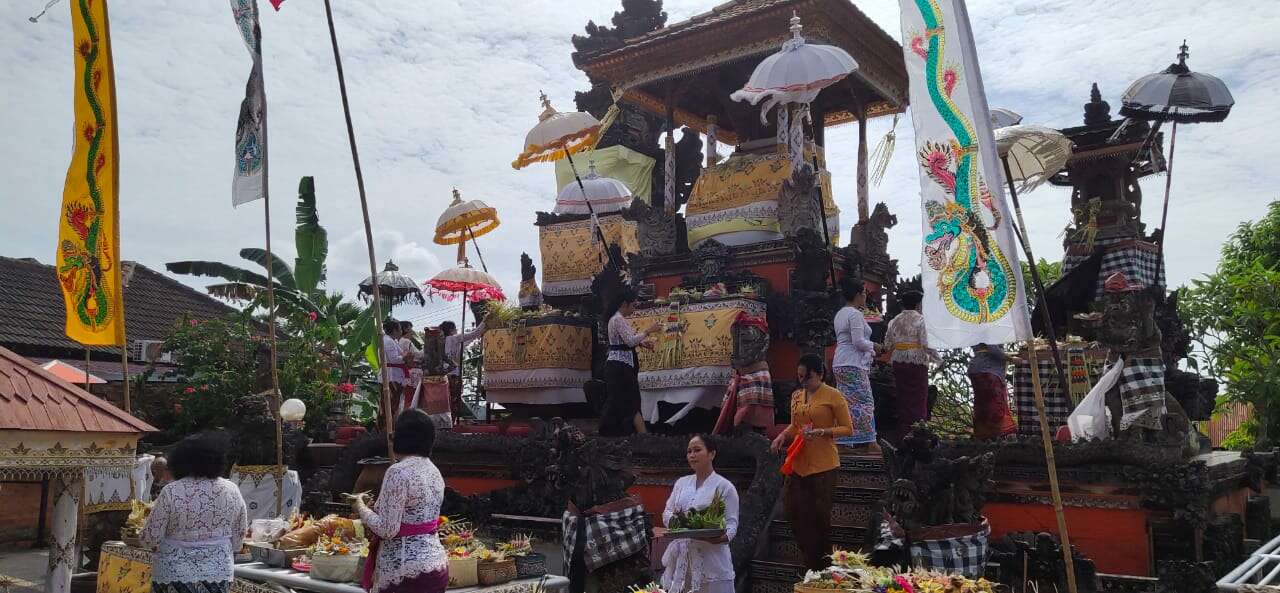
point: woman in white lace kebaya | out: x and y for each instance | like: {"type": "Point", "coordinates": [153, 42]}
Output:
{"type": "Point", "coordinates": [705, 566]}
{"type": "Point", "coordinates": [907, 341]}
{"type": "Point", "coordinates": [197, 524]}
{"type": "Point", "coordinates": [406, 555]}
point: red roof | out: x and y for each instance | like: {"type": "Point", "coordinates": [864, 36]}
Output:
{"type": "Point", "coordinates": [32, 398]}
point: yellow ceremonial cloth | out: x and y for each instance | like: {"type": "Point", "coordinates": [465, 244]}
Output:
{"type": "Point", "coordinates": [568, 252]}
{"type": "Point", "coordinates": [705, 337]}
{"type": "Point", "coordinates": [88, 256]}
{"type": "Point", "coordinates": [549, 346]}
{"type": "Point", "coordinates": [617, 161]}
{"type": "Point", "coordinates": [122, 569]}
{"type": "Point", "coordinates": [748, 179]}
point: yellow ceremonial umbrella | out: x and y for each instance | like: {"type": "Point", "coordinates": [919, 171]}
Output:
{"type": "Point", "coordinates": [465, 220]}
{"type": "Point", "coordinates": [557, 134]}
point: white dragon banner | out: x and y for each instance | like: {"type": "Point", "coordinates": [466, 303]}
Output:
{"type": "Point", "coordinates": [972, 281]}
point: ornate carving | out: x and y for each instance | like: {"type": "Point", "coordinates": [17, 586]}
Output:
{"type": "Point", "coordinates": [530, 295]}
{"type": "Point", "coordinates": [1186, 577]}
{"type": "Point", "coordinates": [1039, 557]}
{"type": "Point", "coordinates": [636, 18]}
{"type": "Point", "coordinates": [1183, 489]}
{"type": "Point", "coordinates": [942, 491]}
{"type": "Point", "coordinates": [1096, 111]}
{"type": "Point", "coordinates": [750, 345]}
{"type": "Point", "coordinates": [798, 203]}
{"type": "Point", "coordinates": [657, 230]}
{"type": "Point", "coordinates": [871, 236]}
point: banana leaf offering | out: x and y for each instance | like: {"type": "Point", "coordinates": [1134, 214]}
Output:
{"type": "Point", "coordinates": [699, 523]}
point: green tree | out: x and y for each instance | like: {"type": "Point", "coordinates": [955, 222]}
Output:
{"type": "Point", "coordinates": [1234, 318]}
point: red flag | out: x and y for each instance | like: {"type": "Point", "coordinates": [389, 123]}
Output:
{"type": "Point", "coordinates": [276, 4]}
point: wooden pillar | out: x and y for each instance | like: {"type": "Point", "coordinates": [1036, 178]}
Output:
{"type": "Point", "coordinates": [864, 192]}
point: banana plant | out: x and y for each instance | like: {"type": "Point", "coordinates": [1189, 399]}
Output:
{"type": "Point", "coordinates": [297, 288]}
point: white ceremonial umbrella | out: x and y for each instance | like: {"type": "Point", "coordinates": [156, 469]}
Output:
{"type": "Point", "coordinates": [557, 132]}
{"type": "Point", "coordinates": [1001, 117]}
{"type": "Point", "coordinates": [1033, 153]}
{"type": "Point", "coordinates": [603, 195]}
{"type": "Point", "coordinates": [796, 73]}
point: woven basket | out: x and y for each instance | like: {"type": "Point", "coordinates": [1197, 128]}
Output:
{"type": "Point", "coordinates": [496, 573]}
{"type": "Point", "coordinates": [463, 572]}
{"type": "Point", "coordinates": [531, 565]}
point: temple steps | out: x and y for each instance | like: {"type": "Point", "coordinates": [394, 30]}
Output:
{"type": "Point", "coordinates": [859, 487]}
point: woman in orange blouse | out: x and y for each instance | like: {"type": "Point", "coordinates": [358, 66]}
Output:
{"type": "Point", "coordinates": [819, 414]}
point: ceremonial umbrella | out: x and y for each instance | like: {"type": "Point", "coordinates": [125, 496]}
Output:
{"type": "Point", "coordinates": [393, 285]}
{"type": "Point", "coordinates": [796, 74]}
{"type": "Point", "coordinates": [1030, 155]}
{"type": "Point", "coordinates": [474, 285]}
{"type": "Point", "coordinates": [559, 133]}
{"type": "Point", "coordinates": [1178, 95]}
{"type": "Point", "coordinates": [598, 194]}
{"type": "Point", "coordinates": [1003, 117]}
{"type": "Point", "coordinates": [465, 220]}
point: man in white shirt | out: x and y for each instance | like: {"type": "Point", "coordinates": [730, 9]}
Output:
{"type": "Point", "coordinates": [393, 359]}
{"type": "Point", "coordinates": [454, 343]}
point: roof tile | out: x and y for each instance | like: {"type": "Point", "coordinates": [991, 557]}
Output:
{"type": "Point", "coordinates": [43, 401]}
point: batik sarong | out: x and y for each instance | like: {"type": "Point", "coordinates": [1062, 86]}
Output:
{"type": "Point", "coordinates": [855, 385]}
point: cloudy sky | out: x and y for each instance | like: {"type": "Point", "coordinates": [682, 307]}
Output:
{"type": "Point", "coordinates": [442, 93]}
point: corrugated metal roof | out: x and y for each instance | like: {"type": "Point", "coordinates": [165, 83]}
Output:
{"type": "Point", "coordinates": [32, 398]}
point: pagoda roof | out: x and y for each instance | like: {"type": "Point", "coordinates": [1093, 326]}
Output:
{"type": "Point", "coordinates": [720, 47]}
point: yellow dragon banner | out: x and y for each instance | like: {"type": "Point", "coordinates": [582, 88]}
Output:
{"type": "Point", "coordinates": [88, 258]}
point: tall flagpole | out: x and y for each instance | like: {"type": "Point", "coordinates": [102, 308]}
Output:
{"type": "Point", "coordinates": [271, 284]}
{"type": "Point", "coordinates": [368, 231]}
{"type": "Point", "coordinates": [115, 173]}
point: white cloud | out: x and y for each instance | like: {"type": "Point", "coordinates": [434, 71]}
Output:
{"type": "Point", "coordinates": [443, 92]}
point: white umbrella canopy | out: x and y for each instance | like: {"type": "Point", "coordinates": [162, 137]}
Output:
{"type": "Point", "coordinates": [1002, 118]}
{"type": "Point", "coordinates": [1034, 153]}
{"type": "Point", "coordinates": [605, 194]}
{"type": "Point", "coordinates": [555, 133]}
{"type": "Point", "coordinates": [796, 73]}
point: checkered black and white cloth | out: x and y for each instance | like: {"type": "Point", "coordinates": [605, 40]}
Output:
{"type": "Point", "coordinates": [1142, 393]}
{"type": "Point", "coordinates": [1137, 260]}
{"type": "Point", "coordinates": [610, 536]}
{"type": "Point", "coordinates": [966, 554]}
{"type": "Point", "coordinates": [1057, 403]}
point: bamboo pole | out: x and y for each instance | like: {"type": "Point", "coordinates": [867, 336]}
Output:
{"type": "Point", "coordinates": [115, 174]}
{"type": "Point", "coordinates": [1046, 438]}
{"type": "Point", "coordinates": [385, 399]}
{"type": "Point", "coordinates": [271, 289]}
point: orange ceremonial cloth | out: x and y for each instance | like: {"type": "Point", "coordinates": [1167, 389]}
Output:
{"type": "Point", "coordinates": [88, 258]}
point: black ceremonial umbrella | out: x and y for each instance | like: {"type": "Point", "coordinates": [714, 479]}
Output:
{"type": "Point", "coordinates": [1177, 95]}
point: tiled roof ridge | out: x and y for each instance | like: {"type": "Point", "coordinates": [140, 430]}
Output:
{"type": "Point", "coordinates": [83, 397]}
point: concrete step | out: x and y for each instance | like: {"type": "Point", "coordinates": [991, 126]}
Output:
{"type": "Point", "coordinates": [862, 471]}
{"type": "Point", "coordinates": [783, 547]}
{"type": "Point", "coordinates": [775, 577]}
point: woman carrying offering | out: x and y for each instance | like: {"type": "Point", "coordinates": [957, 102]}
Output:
{"type": "Point", "coordinates": [621, 414]}
{"type": "Point", "coordinates": [406, 555]}
{"type": "Point", "coordinates": [852, 365]}
{"type": "Point", "coordinates": [703, 565]}
{"type": "Point", "coordinates": [819, 415]}
{"type": "Point", "coordinates": [197, 523]}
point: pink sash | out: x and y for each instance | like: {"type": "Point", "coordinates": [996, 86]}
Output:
{"type": "Point", "coordinates": [406, 530]}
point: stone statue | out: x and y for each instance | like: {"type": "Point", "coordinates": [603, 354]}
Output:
{"type": "Point", "coordinates": [871, 236]}
{"type": "Point", "coordinates": [798, 203]}
{"type": "Point", "coordinates": [656, 229]}
{"type": "Point", "coordinates": [530, 294]}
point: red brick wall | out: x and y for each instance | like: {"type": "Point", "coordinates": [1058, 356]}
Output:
{"type": "Point", "coordinates": [19, 516]}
